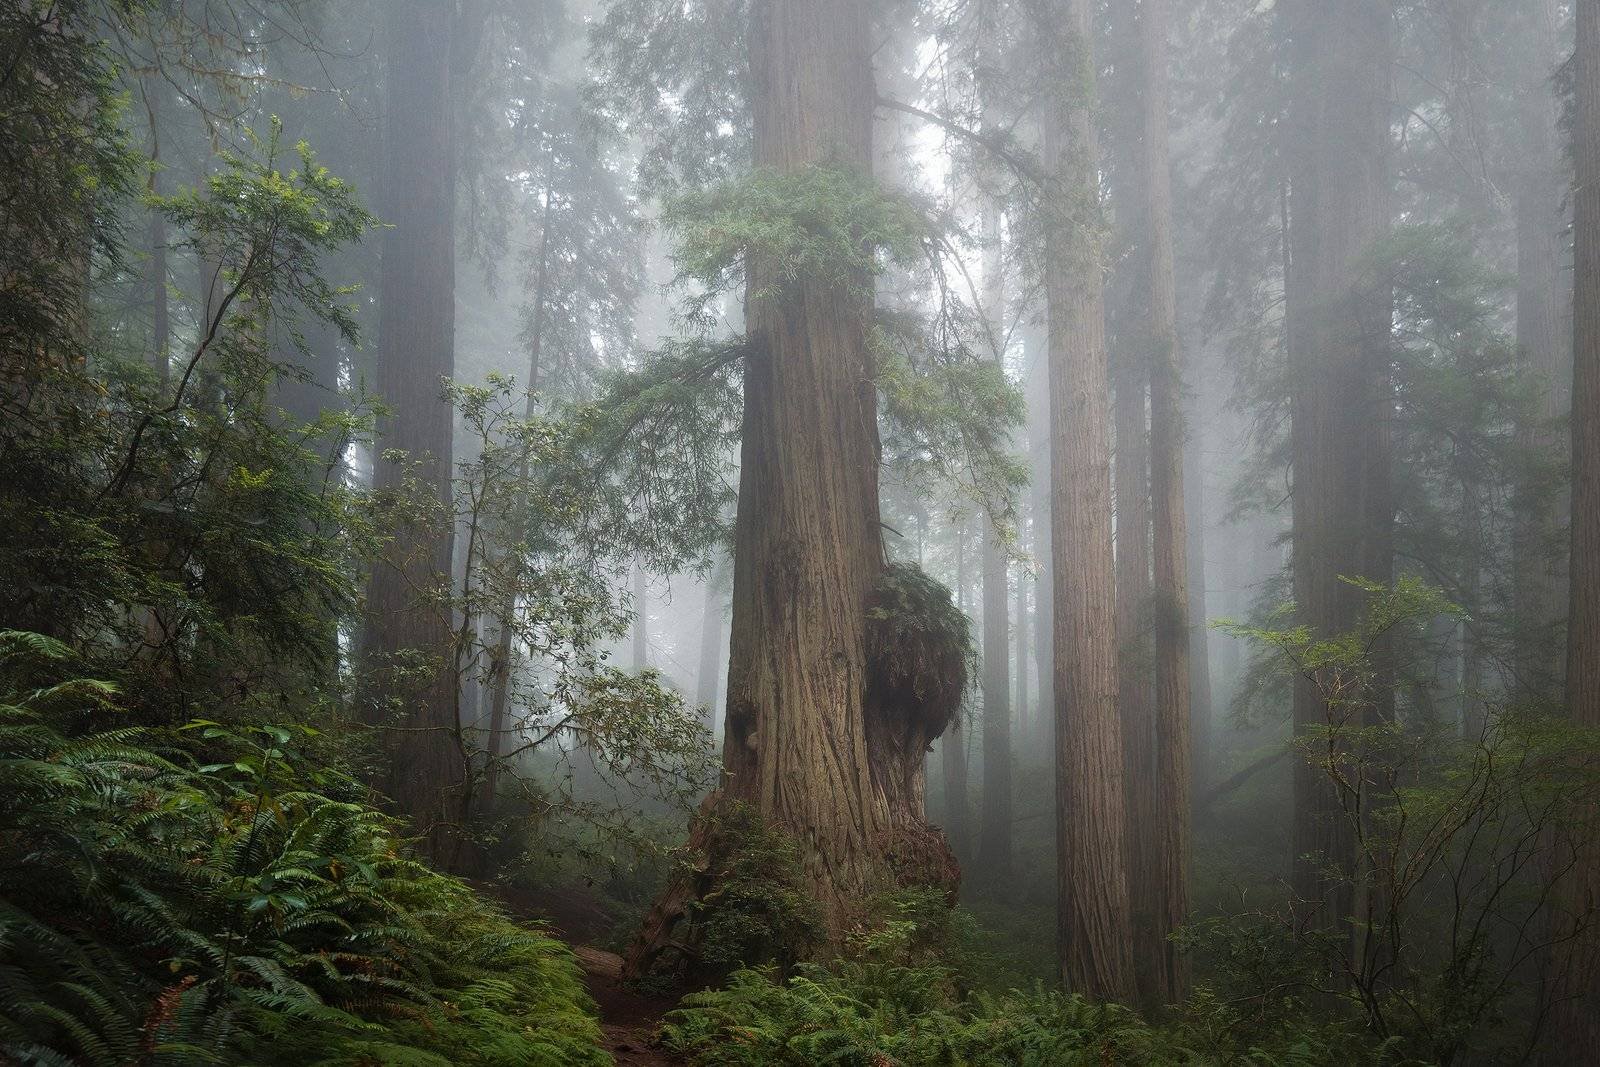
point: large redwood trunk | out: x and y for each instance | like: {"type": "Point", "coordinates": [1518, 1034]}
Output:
{"type": "Point", "coordinates": [1170, 609]}
{"type": "Point", "coordinates": [1094, 927]}
{"type": "Point", "coordinates": [1338, 353]}
{"type": "Point", "coordinates": [805, 745]}
{"type": "Point", "coordinates": [424, 769]}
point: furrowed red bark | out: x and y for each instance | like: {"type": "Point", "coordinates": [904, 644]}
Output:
{"type": "Point", "coordinates": [1093, 922]}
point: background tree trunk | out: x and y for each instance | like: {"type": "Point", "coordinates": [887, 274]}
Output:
{"type": "Point", "coordinates": [953, 745]}
{"type": "Point", "coordinates": [1544, 351]}
{"type": "Point", "coordinates": [1575, 1003]}
{"type": "Point", "coordinates": [994, 844]}
{"type": "Point", "coordinates": [1338, 351]}
{"type": "Point", "coordinates": [1037, 344]}
{"type": "Point", "coordinates": [1170, 535]}
{"type": "Point", "coordinates": [641, 619]}
{"type": "Point", "coordinates": [1130, 374]}
{"type": "Point", "coordinates": [708, 679]}
{"type": "Point", "coordinates": [1094, 927]}
{"type": "Point", "coordinates": [424, 772]}
{"type": "Point", "coordinates": [1200, 700]}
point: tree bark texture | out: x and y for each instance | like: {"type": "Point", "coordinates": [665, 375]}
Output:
{"type": "Point", "coordinates": [805, 744]}
{"type": "Point", "coordinates": [406, 615]}
{"type": "Point", "coordinates": [1093, 921]}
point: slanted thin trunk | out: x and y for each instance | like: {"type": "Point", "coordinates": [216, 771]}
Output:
{"type": "Point", "coordinates": [1575, 961]}
{"type": "Point", "coordinates": [1093, 921]}
{"type": "Point", "coordinates": [1169, 533]}
{"type": "Point", "coordinates": [1338, 352]}
{"type": "Point", "coordinates": [502, 657]}
{"type": "Point", "coordinates": [424, 772]}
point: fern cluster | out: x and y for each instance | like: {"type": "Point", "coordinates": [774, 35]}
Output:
{"type": "Point", "coordinates": [214, 895]}
{"type": "Point", "coordinates": [901, 997]}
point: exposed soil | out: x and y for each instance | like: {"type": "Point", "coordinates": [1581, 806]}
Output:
{"type": "Point", "coordinates": [627, 1018]}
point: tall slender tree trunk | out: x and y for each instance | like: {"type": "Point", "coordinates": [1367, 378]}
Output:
{"type": "Point", "coordinates": [1575, 1004]}
{"type": "Point", "coordinates": [1130, 374]}
{"type": "Point", "coordinates": [1544, 352]}
{"type": "Point", "coordinates": [160, 306]}
{"type": "Point", "coordinates": [1093, 921]}
{"type": "Point", "coordinates": [994, 843]}
{"type": "Point", "coordinates": [953, 746]}
{"type": "Point", "coordinates": [1338, 352]}
{"type": "Point", "coordinates": [1200, 698]}
{"type": "Point", "coordinates": [502, 657]}
{"type": "Point", "coordinates": [1022, 723]}
{"type": "Point", "coordinates": [1170, 535]}
{"type": "Point", "coordinates": [424, 772]}
{"type": "Point", "coordinates": [1037, 345]}
{"type": "Point", "coordinates": [708, 680]}
{"type": "Point", "coordinates": [641, 619]}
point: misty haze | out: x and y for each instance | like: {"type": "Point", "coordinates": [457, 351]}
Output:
{"type": "Point", "coordinates": [872, 533]}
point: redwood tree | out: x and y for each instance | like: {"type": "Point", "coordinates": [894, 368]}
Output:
{"type": "Point", "coordinates": [994, 842]}
{"type": "Point", "coordinates": [1170, 539]}
{"type": "Point", "coordinates": [408, 624]}
{"type": "Point", "coordinates": [1339, 369]}
{"type": "Point", "coordinates": [1543, 345]}
{"type": "Point", "coordinates": [1575, 1004]}
{"type": "Point", "coordinates": [815, 741]}
{"type": "Point", "coordinates": [1093, 922]}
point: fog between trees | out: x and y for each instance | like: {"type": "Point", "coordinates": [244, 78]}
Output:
{"type": "Point", "coordinates": [990, 531]}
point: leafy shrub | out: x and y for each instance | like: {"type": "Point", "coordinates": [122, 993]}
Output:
{"type": "Point", "coordinates": [214, 895]}
{"type": "Point", "coordinates": [759, 911]}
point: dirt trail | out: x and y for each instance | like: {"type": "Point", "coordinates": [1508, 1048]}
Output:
{"type": "Point", "coordinates": [627, 1019]}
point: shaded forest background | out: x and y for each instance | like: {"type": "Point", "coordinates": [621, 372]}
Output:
{"type": "Point", "coordinates": [997, 532]}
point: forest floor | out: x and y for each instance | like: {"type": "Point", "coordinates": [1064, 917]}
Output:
{"type": "Point", "coordinates": [628, 1019]}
